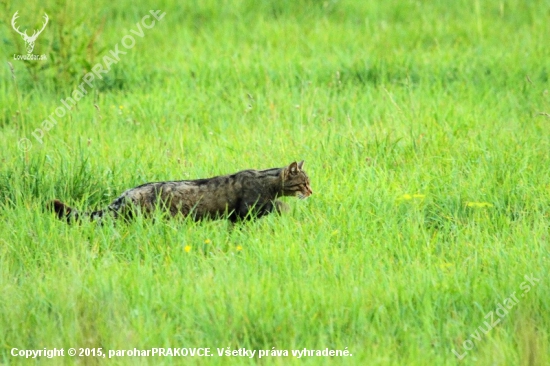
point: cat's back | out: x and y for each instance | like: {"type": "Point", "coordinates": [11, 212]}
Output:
{"type": "Point", "coordinates": [228, 186]}
{"type": "Point", "coordinates": [228, 181]}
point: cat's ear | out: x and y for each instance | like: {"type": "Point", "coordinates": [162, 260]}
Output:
{"type": "Point", "coordinates": [293, 168]}
{"type": "Point", "coordinates": [301, 165]}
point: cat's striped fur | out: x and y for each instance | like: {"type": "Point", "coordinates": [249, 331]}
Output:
{"type": "Point", "coordinates": [243, 195]}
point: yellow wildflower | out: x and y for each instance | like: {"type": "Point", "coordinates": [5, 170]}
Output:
{"type": "Point", "coordinates": [239, 247]}
{"type": "Point", "coordinates": [187, 248]}
{"type": "Point", "coordinates": [479, 204]}
{"type": "Point", "coordinates": [407, 196]}
{"type": "Point", "coordinates": [207, 241]}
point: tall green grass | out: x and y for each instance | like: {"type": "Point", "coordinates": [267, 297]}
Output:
{"type": "Point", "coordinates": [424, 132]}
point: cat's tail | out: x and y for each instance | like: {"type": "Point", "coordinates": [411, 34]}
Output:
{"type": "Point", "coordinates": [69, 214]}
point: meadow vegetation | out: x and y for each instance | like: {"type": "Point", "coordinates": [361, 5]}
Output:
{"type": "Point", "coordinates": [425, 130]}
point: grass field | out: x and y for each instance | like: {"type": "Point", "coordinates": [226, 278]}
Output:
{"type": "Point", "coordinates": [425, 128]}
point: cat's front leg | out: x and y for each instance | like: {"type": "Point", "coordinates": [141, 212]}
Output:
{"type": "Point", "coordinates": [281, 207]}
{"type": "Point", "coordinates": [273, 206]}
{"type": "Point", "coordinates": [250, 210]}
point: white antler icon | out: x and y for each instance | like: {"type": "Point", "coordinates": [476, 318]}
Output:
{"type": "Point", "coordinates": [29, 41]}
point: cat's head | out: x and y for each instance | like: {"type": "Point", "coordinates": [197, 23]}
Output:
{"type": "Point", "coordinates": [296, 181]}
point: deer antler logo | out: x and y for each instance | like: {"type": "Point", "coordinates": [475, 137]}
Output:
{"type": "Point", "coordinates": [29, 41]}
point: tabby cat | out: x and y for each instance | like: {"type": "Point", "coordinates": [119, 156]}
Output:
{"type": "Point", "coordinates": [239, 196]}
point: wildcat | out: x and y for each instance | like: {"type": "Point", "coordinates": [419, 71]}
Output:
{"type": "Point", "coordinates": [239, 196]}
